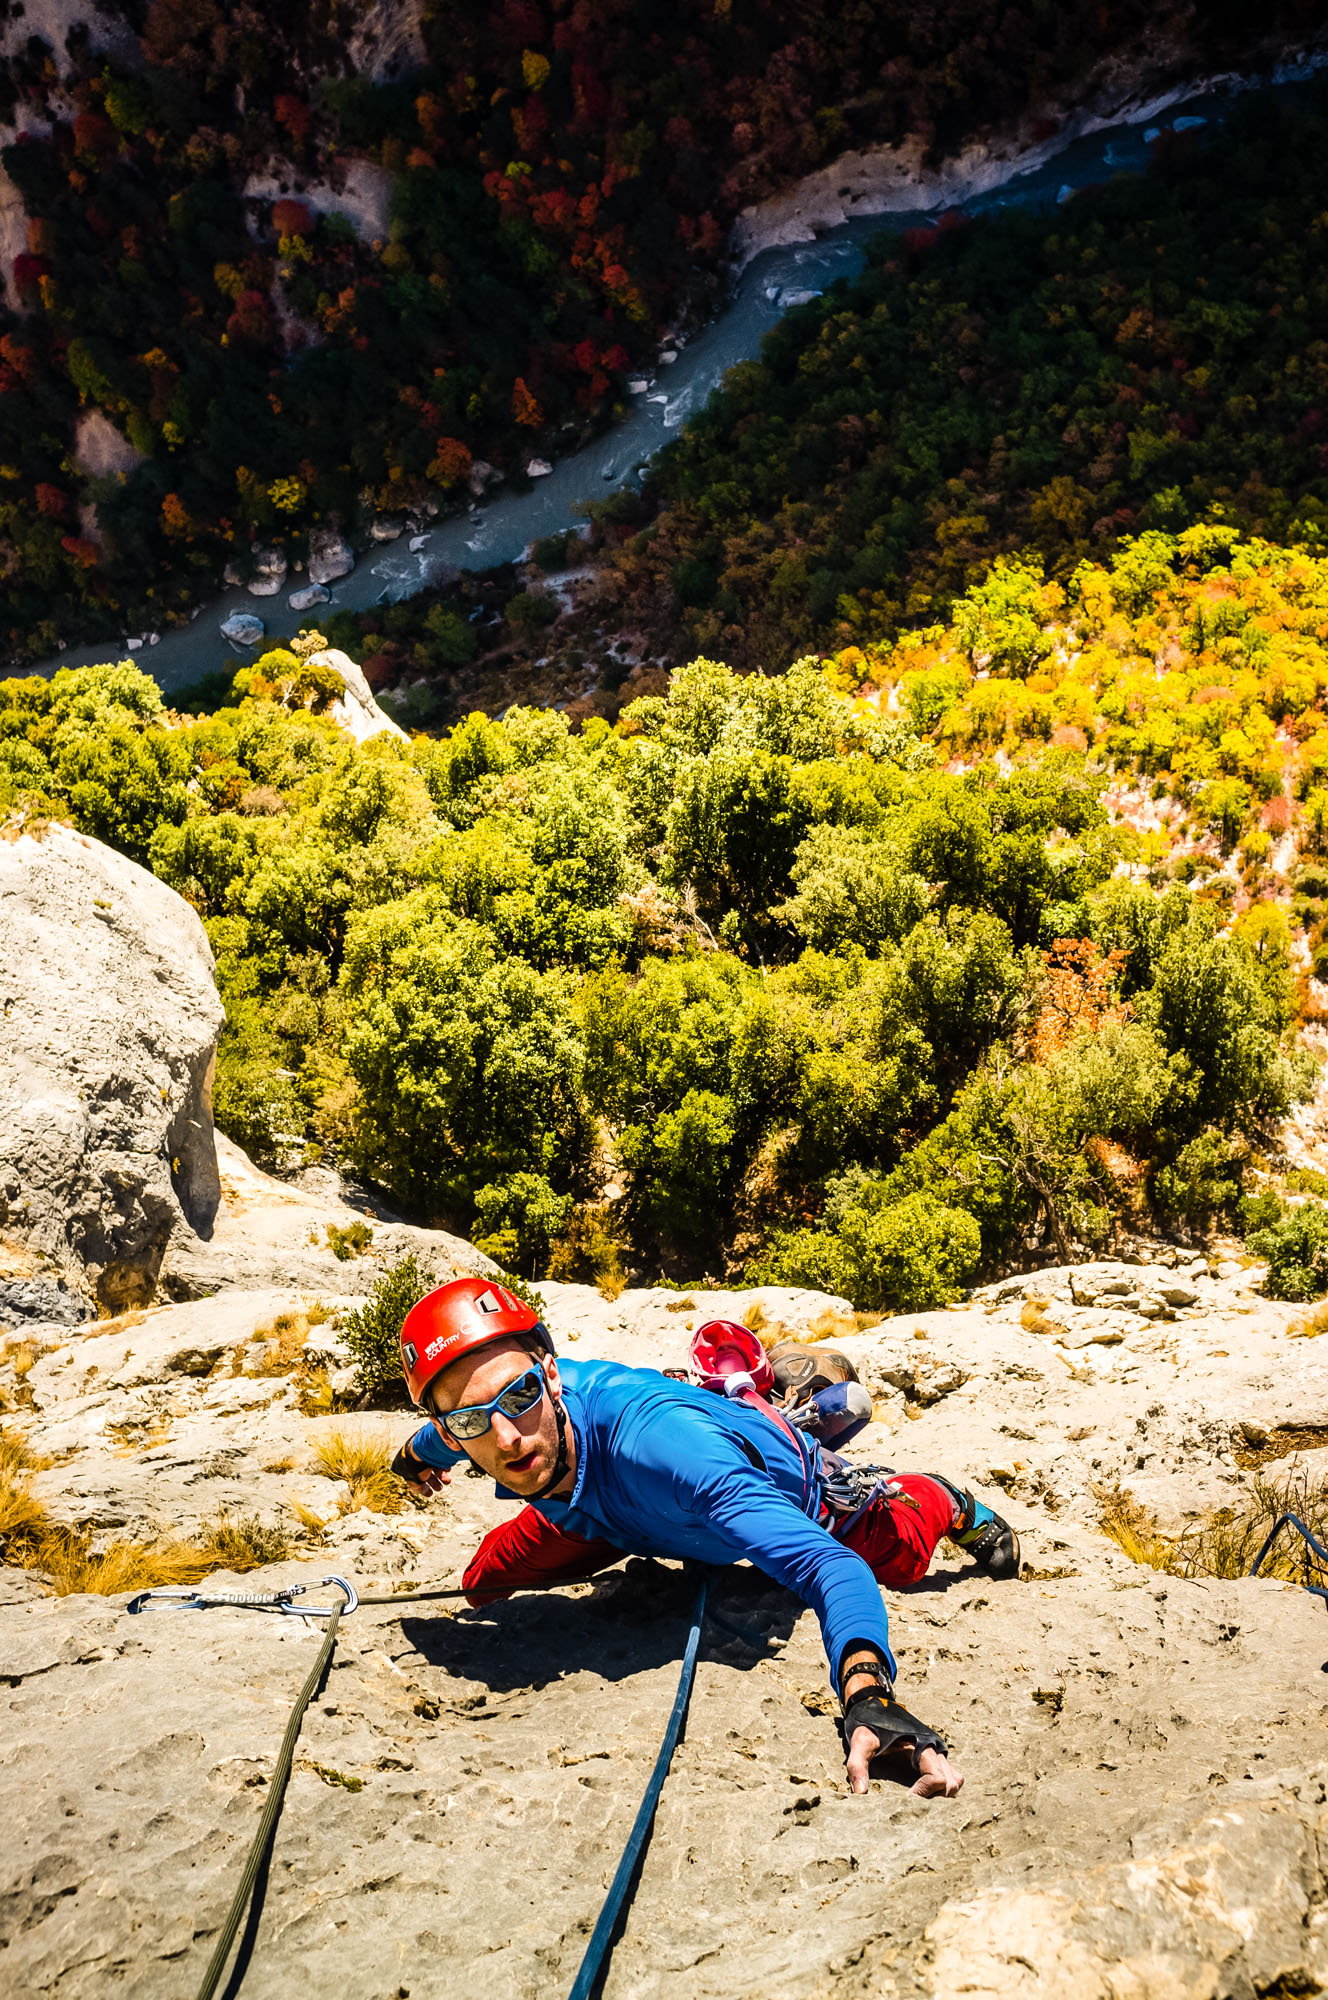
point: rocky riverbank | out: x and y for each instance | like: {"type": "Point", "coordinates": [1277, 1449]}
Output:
{"type": "Point", "coordinates": [888, 180]}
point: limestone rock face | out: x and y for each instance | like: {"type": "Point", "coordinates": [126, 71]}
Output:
{"type": "Point", "coordinates": [109, 1020]}
{"type": "Point", "coordinates": [356, 710]}
{"type": "Point", "coordinates": [1145, 1813]}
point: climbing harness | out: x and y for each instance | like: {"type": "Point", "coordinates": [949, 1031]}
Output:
{"type": "Point", "coordinates": [603, 1936]}
{"type": "Point", "coordinates": [1311, 1542]}
{"type": "Point", "coordinates": [185, 1599]}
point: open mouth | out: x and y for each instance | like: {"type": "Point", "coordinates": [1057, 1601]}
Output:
{"type": "Point", "coordinates": [522, 1464]}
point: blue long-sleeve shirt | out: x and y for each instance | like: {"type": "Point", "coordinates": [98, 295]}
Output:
{"type": "Point", "coordinates": [665, 1469]}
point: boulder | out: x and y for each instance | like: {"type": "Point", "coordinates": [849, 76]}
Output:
{"type": "Point", "coordinates": [356, 710]}
{"type": "Point", "coordinates": [387, 528]}
{"type": "Point", "coordinates": [242, 628]}
{"type": "Point", "coordinates": [111, 1022]}
{"type": "Point", "coordinates": [329, 556]}
{"type": "Point", "coordinates": [305, 600]}
{"type": "Point", "coordinates": [539, 468]}
{"type": "Point", "coordinates": [41, 1302]}
{"type": "Point", "coordinates": [269, 572]}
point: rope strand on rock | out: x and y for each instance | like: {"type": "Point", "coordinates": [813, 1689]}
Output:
{"type": "Point", "coordinates": [615, 1903]}
{"type": "Point", "coordinates": [267, 1825]}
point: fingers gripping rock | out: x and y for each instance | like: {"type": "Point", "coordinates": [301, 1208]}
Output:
{"type": "Point", "coordinates": [891, 1724]}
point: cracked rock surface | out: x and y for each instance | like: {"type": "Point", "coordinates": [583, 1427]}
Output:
{"type": "Point", "coordinates": [1146, 1804]}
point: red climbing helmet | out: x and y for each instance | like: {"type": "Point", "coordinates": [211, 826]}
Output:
{"type": "Point", "coordinates": [722, 1349]}
{"type": "Point", "coordinates": [455, 1320]}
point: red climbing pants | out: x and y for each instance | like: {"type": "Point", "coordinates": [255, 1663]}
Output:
{"type": "Point", "coordinates": [897, 1536]}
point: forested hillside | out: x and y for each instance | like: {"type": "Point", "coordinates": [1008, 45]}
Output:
{"type": "Point", "coordinates": [548, 189]}
{"type": "Point", "coordinates": [1152, 354]}
{"type": "Point", "coordinates": [869, 974]}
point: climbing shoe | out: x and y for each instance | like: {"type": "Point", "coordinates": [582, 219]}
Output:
{"type": "Point", "coordinates": [800, 1371]}
{"type": "Point", "coordinates": [992, 1542]}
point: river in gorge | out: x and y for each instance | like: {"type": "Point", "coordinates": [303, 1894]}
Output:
{"type": "Point", "coordinates": [772, 282]}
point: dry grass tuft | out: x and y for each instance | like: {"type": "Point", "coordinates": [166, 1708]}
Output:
{"type": "Point", "coordinates": [281, 1341]}
{"type": "Point", "coordinates": [121, 1322]}
{"type": "Point", "coordinates": [67, 1560]}
{"type": "Point", "coordinates": [830, 1325]}
{"type": "Point", "coordinates": [315, 1396]}
{"type": "Point", "coordinates": [1226, 1544]}
{"type": "Point", "coordinates": [235, 1542]}
{"type": "Point", "coordinates": [361, 1461]}
{"type": "Point", "coordinates": [1310, 1325]}
{"type": "Point", "coordinates": [20, 1355]}
{"type": "Point", "coordinates": [315, 1527]}
{"type": "Point", "coordinates": [17, 1455]}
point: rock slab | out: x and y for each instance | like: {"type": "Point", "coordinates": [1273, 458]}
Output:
{"type": "Point", "coordinates": [109, 1020]}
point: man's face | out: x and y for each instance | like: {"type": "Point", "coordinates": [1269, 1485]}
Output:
{"type": "Point", "coordinates": [519, 1452]}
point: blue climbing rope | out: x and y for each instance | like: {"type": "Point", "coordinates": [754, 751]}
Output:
{"type": "Point", "coordinates": [601, 1938]}
{"type": "Point", "coordinates": [281, 1602]}
{"type": "Point", "coordinates": [1311, 1541]}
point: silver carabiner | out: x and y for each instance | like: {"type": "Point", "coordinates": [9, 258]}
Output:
{"type": "Point", "coordinates": [185, 1599]}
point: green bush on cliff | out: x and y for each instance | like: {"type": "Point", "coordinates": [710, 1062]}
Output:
{"type": "Point", "coordinates": [1297, 1253]}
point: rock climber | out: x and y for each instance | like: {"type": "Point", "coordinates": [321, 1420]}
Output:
{"type": "Point", "coordinates": [612, 1460]}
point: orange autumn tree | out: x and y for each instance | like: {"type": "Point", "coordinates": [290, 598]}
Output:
{"type": "Point", "coordinates": [525, 408]}
{"type": "Point", "coordinates": [1078, 996]}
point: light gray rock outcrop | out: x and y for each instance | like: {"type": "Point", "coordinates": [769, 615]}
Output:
{"type": "Point", "coordinates": [109, 1020]}
{"type": "Point", "coordinates": [269, 1234]}
{"type": "Point", "coordinates": [356, 710]}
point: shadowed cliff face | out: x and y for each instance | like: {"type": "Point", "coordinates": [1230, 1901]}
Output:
{"type": "Point", "coordinates": [1145, 1754]}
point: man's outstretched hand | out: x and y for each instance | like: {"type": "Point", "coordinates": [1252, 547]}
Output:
{"type": "Point", "coordinates": [937, 1777]}
{"type": "Point", "coordinates": [428, 1480]}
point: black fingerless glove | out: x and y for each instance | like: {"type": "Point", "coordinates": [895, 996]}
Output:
{"type": "Point", "coordinates": [406, 1465]}
{"type": "Point", "coordinates": [875, 1708]}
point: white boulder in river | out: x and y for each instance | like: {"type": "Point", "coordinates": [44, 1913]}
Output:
{"type": "Point", "coordinates": [242, 628]}
{"type": "Point", "coordinates": [329, 556]}
{"type": "Point", "coordinates": [111, 1019]}
{"type": "Point", "coordinates": [269, 572]}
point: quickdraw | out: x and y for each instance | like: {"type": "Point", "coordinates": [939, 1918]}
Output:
{"type": "Point", "coordinates": [281, 1602]}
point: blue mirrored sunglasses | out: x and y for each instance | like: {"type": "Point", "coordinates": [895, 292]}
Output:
{"type": "Point", "coordinates": [473, 1419]}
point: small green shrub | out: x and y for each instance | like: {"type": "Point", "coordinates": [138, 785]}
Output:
{"type": "Point", "coordinates": [349, 1242]}
{"type": "Point", "coordinates": [1297, 1253]}
{"type": "Point", "coordinates": [373, 1331]}
{"type": "Point", "coordinates": [519, 1216]}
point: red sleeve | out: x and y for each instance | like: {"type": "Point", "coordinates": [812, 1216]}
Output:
{"type": "Point", "coordinates": [529, 1549]}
